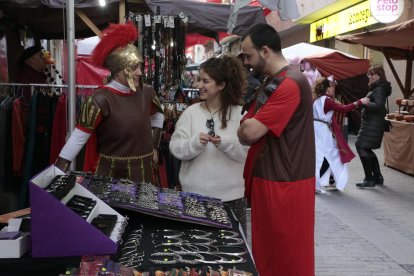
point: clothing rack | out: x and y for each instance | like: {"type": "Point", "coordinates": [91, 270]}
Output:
{"type": "Point", "coordinates": [57, 87]}
{"type": "Point", "coordinates": [49, 85]}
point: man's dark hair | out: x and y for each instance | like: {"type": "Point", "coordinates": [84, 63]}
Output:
{"type": "Point", "coordinates": [263, 34]}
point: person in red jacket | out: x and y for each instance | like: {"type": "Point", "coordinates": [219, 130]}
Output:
{"type": "Point", "coordinates": [280, 167]}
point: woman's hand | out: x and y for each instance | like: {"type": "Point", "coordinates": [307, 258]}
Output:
{"type": "Point", "coordinates": [216, 140]}
{"type": "Point", "coordinates": [204, 138]}
{"type": "Point", "coordinates": [365, 100]}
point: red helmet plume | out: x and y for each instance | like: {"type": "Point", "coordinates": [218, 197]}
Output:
{"type": "Point", "coordinates": [116, 35]}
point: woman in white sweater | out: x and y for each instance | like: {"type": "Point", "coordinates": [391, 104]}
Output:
{"type": "Point", "coordinates": [205, 136]}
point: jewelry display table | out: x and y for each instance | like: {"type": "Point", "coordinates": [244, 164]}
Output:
{"type": "Point", "coordinates": [27, 265]}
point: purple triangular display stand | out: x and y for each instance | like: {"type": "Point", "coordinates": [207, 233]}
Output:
{"type": "Point", "coordinates": [57, 231]}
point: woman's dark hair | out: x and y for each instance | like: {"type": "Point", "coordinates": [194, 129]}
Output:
{"type": "Point", "coordinates": [230, 71]}
{"type": "Point", "coordinates": [321, 86]}
{"type": "Point", "coordinates": [263, 34]}
{"type": "Point", "coordinates": [379, 70]}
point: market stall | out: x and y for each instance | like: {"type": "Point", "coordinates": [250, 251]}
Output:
{"type": "Point", "coordinates": [139, 226]}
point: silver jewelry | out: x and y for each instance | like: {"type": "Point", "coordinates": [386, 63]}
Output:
{"type": "Point", "coordinates": [202, 241]}
{"type": "Point", "coordinates": [199, 233]}
{"type": "Point", "coordinates": [190, 261]}
{"type": "Point", "coordinates": [160, 248]}
{"type": "Point", "coordinates": [168, 233]}
{"type": "Point", "coordinates": [239, 250]}
{"type": "Point", "coordinates": [228, 259]}
{"type": "Point", "coordinates": [218, 259]}
{"type": "Point", "coordinates": [168, 258]}
{"type": "Point", "coordinates": [228, 233]}
{"type": "Point", "coordinates": [236, 241]}
{"type": "Point", "coordinates": [174, 241]}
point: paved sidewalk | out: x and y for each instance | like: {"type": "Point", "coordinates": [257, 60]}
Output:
{"type": "Point", "coordinates": [366, 231]}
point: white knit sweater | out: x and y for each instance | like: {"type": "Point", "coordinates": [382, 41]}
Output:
{"type": "Point", "coordinates": [209, 170]}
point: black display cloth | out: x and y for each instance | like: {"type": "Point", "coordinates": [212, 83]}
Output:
{"type": "Point", "coordinates": [151, 224]}
{"type": "Point", "coordinates": [26, 265]}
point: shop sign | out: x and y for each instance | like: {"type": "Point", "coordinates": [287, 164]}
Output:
{"type": "Point", "coordinates": [387, 11]}
{"type": "Point", "coordinates": [347, 20]}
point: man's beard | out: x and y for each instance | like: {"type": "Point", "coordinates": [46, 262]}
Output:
{"type": "Point", "coordinates": [259, 68]}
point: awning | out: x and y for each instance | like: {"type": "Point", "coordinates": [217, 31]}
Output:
{"type": "Point", "coordinates": [395, 42]}
{"type": "Point", "coordinates": [208, 16]}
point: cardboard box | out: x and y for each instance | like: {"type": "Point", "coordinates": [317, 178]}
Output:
{"type": "Point", "coordinates": [14, 248]}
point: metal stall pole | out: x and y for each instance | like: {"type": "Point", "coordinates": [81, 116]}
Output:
{"type": "Point", "coordinates": [70, 18]}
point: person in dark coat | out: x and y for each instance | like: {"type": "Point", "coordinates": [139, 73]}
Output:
{"type": "Point", "coordinates": [372, 126]}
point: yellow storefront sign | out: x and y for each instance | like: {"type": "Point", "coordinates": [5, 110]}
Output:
{"type": "Point", "coordinates": [350, 19]}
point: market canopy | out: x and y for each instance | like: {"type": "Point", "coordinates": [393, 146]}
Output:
{"type": "Point", "coordinates": [208, 16]}
{"type": "Point", "coordinates": [328, 61]}
{"type": "Point", "coordinates": [395, 42]}
{"type": "Point", "coordinates": [338, 64]}
{"type": "Point", "coordinates": [46, 18]}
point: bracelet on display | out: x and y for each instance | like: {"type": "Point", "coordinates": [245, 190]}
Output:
{"type": "Point", "coordinates": [132, 261]}
{"type": "Point", "coordinates": [228, 233]}
{"type": "Point", "coordinates": [197, 233]}
{"type": "Point", "coordinates": [167, 233]}
{"type": "Point", "coordinates": [130, 254]}
{"type": "Point", "coordinates": [231, 241]}
{"type": "Point", "coordinates": [210, 258]}
{"type": "Point", "coordinates": [159, 248]}
{"type": "Point", "coordinates": [200, 248]}
{"type": "Point", "coordinates": [230, 259]}
{"type": "Point", "coordinates": [183, 258]}
{"type": "Point", "coordinates": [203, 241]}
{"type": "Point", "coordinates": [61, 185]}
{"type": "Point", "coordinates": [232, 250]}
{"type": "Point", "coordinates": [81, 205]}
{"type": "Point", "coordinates": [173, 241]}
{"type": "Point", "coordinates": [164, 258]}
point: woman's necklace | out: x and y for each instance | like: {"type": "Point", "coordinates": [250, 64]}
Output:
{"type": "Point", "coordinates": [212, 114]}
{"type": "Point", "coordinates": [210, 122]}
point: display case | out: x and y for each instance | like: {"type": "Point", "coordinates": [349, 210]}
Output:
{"type": "Point", "coordinates": [61, 229]}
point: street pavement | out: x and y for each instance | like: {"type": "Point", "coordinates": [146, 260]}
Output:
{"type": "Point", "coordinates": [364, 232]}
